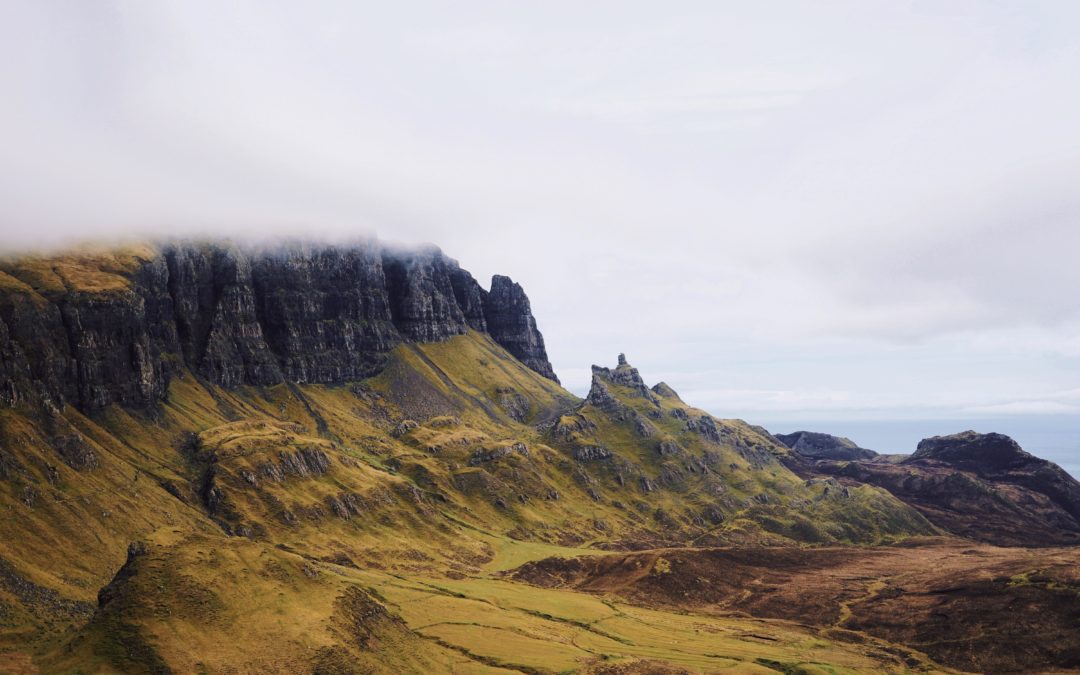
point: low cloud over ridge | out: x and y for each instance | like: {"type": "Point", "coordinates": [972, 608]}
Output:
{"type": "Point", "coordinates": [841, 197]}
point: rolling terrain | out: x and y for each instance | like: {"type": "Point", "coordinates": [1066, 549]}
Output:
{"type": "Point", "coordinates": [356, 459]}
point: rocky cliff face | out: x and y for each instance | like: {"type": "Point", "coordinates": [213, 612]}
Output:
{"type": "Point", "coordinates": [92, 330]}
{"type": "Point", "coordinates": [510, 321]}
{"type": "Point", "coordinates": [326, 312]}
{"type": "Point", "coordinates": [422, 300]}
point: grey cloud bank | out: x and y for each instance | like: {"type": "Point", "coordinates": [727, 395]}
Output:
{"type": "Point", "coordinates": [837, 209]}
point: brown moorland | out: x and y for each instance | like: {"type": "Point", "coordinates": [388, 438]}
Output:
{"type": "Point", "coordinates": [970, 606]}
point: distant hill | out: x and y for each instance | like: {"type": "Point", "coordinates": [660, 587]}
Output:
{"type": "Point", "coordinates": [982, 486]}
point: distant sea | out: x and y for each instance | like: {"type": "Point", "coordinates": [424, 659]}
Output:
{"type": "Point", "coordinates": [1052, 437]}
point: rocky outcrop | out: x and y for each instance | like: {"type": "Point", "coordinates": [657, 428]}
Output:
{"type": "Point", "coordinates": [623, 375]}
{"type": "Point", "coordinates": [814, 445]}
{"type": "Point", "coordinates": [34, 346]}
{"type": "Point", "coordinates": [592, 453]}
{"type": "Point", "coordinates": [664, 390]}
{"type": "Point", "coordinates": [510, 322]}
{"type": "Point", "coordinates": [485, 455]}
{"type": "Point", "coordinates": [972, 451]}
{"type": "Point", "coordinates": [110, 347]}
{"type": "Point", "coordinates": [79, 346]}
{"type": "Point", "coordinates": [600, 396]}
{"type": "Point", "coordinates": [75, 451]}
{"type": "Point", "coordinates": [569, 426]}
{"type": "Point", "coordinates": [669, 448]}
{"type": "Point", "coordinates": [92, 331]}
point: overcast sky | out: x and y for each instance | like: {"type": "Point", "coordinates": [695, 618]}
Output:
{"type": "Point", "coordinates": [785, 210]}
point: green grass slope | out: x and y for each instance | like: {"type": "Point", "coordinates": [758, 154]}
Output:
{"type": "Point", "coordinates": [278, 520]}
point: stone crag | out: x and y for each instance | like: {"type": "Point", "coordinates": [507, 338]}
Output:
{"type": "Point", "coordinates": [91, 333]}
{"type": "Point", "coordinates": [510, 322]}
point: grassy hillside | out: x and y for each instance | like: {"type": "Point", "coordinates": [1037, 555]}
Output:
{"type": "Point", "coordinates": [207, 604]}
{"type": "Point", "coordinates": [349, 528]}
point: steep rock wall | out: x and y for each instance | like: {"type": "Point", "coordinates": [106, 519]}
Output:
{"type": "Point", "coordinates": [92, 334]}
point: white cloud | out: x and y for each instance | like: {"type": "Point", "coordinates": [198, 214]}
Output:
{"type": "Point", "coordinates": [868, 198]}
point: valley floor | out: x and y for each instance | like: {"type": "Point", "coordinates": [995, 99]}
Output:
{"type": "Point", "coordinates": [477, 623]}
{"type": "Point", "coordinates": [971, 606]}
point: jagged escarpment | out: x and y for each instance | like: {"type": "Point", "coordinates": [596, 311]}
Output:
{"type": "Point", "coordinates": [97, 329]}
{"type": "Point", "coordinates": [623, 375]}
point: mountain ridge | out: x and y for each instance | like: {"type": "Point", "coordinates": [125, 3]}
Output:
{"type": "Point", "coordinates": [200, 445]}
{"type": "Point", "coordinates": [94, 329]}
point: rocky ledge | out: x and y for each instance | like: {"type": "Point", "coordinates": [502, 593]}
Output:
{"type": "Point", "coordinates": [97, 329]}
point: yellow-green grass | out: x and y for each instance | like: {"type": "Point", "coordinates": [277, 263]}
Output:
{"type": "Point", "coordinates": [207, 603]}
{"type": "Point", "coordinates": [96, 513]}
{"type": "Point", "coordinates": [436, 527]}
{"type": "Point", "coordinates": [512, 553]}
{"type": "Point", "coordinates": [522, 626]}
{"type": "Point", "coordinates": [212, 604]}
{"type": "Point", "coordinates": [469, 372]}
{"type": "Point", "coordinates": [89, 270]}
